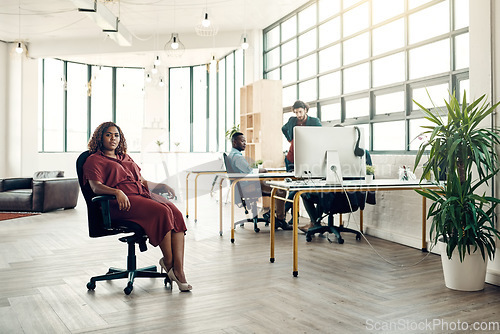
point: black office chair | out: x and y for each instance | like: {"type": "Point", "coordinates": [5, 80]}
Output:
{"type": "Point", "coordinates": [247, 200]}
{"type": "Point", "coordinates": [101, 224]}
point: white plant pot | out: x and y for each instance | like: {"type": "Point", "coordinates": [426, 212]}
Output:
{"type": "Point", "coordinates": [468, 275]}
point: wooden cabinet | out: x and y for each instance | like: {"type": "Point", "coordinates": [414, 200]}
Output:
{"type": "Point", "coordinates": [261, 120]}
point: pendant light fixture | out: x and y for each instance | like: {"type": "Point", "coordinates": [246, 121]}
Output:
{"type": "Point", "coordinates": [206, 27]}
{"type": "Point", "coordinates": [19, 47]}
{"type": "Point", "coordinates": [174, 47]}
{"type": "Point", "coordinates": [244, 41]}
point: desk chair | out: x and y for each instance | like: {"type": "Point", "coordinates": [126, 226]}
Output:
{"type": "Point", "coordinates": [246, 201]}
{"type": "Point", "coordinates": [328, 204]}
{"type": "Point", "coordinates": [102, 224]}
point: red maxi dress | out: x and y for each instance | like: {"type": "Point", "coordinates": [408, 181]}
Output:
{"type": "Point", "coordinates": [153, 212]}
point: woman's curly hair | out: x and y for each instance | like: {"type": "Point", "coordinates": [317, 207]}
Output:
{"type": "Point", "coordinates": [95, 143]}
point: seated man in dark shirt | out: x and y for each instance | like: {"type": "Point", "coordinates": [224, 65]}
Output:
{"type": "Point", "coordinates": [240, 165]}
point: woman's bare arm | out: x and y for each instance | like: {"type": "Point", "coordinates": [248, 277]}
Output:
{"type": "Point", "coordinates": [101, 189]}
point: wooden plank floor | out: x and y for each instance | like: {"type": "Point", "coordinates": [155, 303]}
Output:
{"type": "Point", "coordinates": [46, 261]}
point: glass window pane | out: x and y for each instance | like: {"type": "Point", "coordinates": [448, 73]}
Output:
{"type": "Point", "coordinates": [200, 108]}
{"type": "Point", "coordinates": [331, 112]}
{"type": "Point", "coordinates": [213, 120]}
{"type": "Point", "coordinates": [416, 139]}
{"type": "Point", "coordinates": [307, 66]}
{"type": "Point", "coordinates": [366, 133]}
{"type": "Point", "coordinates": [239, 68]}
{"type": "Point", "coordinates": [356, 19]}
{"type": "Point", "coordinates": [273, 75]}
{"type": "Point", "coordinates": [307, 18]}
{"type": "Point", "coordinates": [229, 91]}
{"type": "Point", "coordinates": [102, 90]}
{"type": "Point", "coordinates": [385, 9]}
{"type": "Point", "coordinates": [77, 107]}
{"type": "Point", "coordinates": [388, 37]}
{"type": "Point", "coordinates": [223, 125]}
{"type": "Point", "coordinates": [308, 90]}
{"type": "Point", "coordinates": [329, 85]}
{"type": "Point", "coordinates": [289, 73]}
{"type": "Point", "coordinates": [389, 103]}
{"type": "Point", "coordinates": [464, 85]}
{"type": "Point", "coordinates": [289, 94]}
{"type": "Point", "coordinates": [179, 84]}
{"type": "Point", "coordinates": [430, 59]}
{"type": "Point", "coordinates": [357, 108]}
{"type": "Point", "coordinates": [349, 3]}
{"type": "Point", "coordinates": [461, 14]}
{"type": "Point", "coordinates": [438, 94]}
{"type": "Point", "coordinates": [307, 42]}
{"type": "Point", "coordinates": [272, 37]}
{"type": "Point", "coordinates": [272, 58]}
{"type": "Point", "coordinates": [356, 78]}
{"type": "Point", "coordinates": [389, 70]}
{"type": "Point", "coordinates": [329, 59]}
{"type": "Point", "coordinates": [356, 49]}
{"type": "Point", "coordinates": [130, 105]}
{"type": "Point", "coordinates": [329, 32]}
{"type": "Point", "coordinates": [289, 28]}
{"type": "Point", "coordinates": [313, 111]}
{"type": "Point", "coordinates": [462, 51]}
{"type": "Point", "coordinates": [416, 3]}
{"type": "Point", "coordinates": [419, 27]}
{"type": "Point", "coordinates": [53, 107]}
{"type": "Point", "coordinates": [289, 51]}
{"type": "Point", "coordinates": [389, 136]}
{"type": "Point", "coordinates": [326, 8]}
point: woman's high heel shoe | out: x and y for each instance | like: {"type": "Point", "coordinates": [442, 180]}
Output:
{"type": "Point", "coordinates": [163, 266]}
{"type": "Point", "coordinates": [184, 287]}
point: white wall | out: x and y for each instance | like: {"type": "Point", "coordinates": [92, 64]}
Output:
{"type": "Point", "coordinates": [3, 107]}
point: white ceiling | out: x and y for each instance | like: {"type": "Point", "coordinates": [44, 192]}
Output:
{"type": "Point", "coordinates": [56, 27]}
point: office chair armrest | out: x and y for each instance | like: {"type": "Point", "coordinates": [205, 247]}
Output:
{"type": "Point", "coordinates": [106, 217]}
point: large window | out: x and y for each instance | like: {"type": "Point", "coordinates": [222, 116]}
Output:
{"type": "Point", "coordinates": [364, 62]}
{"type": "Point", "coordinates": [79, 97]}
{"type": "Point", "coordinates": [204, 103]}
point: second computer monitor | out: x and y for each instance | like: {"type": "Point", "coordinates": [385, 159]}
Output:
{"type": "Point", "coordinates": [311, 144]}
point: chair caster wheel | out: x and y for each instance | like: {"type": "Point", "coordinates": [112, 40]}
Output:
{"type": "Point", "coordinates": [257, 230]}
{"type": "Point", "coordinates": [340, 241]}
{"type": "Point", "coordinates": [91, 285]}
{"type": "Point", "coordinates": [129, 288]}
{"type": "Point", "coordinates": [358, 237]}
{"type": "Point", "coordinates": [242, 225]}
{"type": "Point", "coordinates": [308, 238]}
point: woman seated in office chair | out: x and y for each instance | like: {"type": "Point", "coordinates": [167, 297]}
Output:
{"type": "Point", "coordinates": [111, 171]}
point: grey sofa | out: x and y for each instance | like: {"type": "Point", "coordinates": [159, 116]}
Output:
{"type": "Point", "coordinates": [45, 191]}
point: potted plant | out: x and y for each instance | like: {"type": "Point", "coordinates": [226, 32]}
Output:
{"type": "Point", "coordinates": [231, 131]}
{"type": "Point", "coordinates": [462, 150]}
{"type": "Point", "coordinates": [159, 143]}
{"type": "Point", "coordinates": [370, 172]}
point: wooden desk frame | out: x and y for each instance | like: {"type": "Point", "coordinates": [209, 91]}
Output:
{"type": "Point", "coordinates": [348, 188]}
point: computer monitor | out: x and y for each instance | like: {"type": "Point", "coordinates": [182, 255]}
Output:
{"type": "Point", "coordinates": [311, 144]}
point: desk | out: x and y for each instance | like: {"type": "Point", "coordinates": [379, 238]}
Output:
{"type": "Point", "coordinates": [237, 177]}
{"type": "Point", "coordinates": [198, 173]}
{"type": "Point", "coordinates": [312, 186]}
